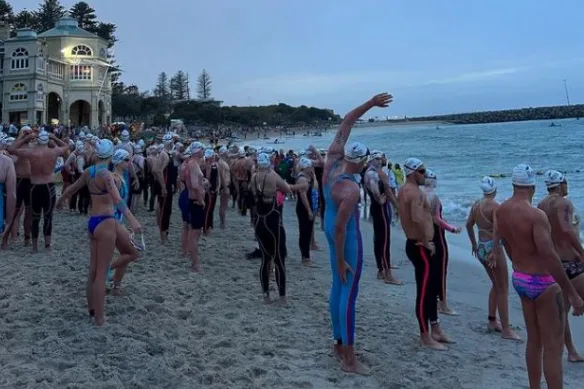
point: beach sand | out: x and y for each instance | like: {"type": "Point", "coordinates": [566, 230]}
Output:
{"type": "Point", "coordinates": [174, 329]}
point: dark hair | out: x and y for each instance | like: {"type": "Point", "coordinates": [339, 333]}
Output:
{"type": "Point", "coordinates": [397, 166]}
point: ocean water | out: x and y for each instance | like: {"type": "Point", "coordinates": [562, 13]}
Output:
{"type": "Point", "coordinates": [461, 155]}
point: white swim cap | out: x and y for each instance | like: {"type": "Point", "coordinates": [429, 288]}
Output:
{"type": "Point", "coordinates": [120, 155]}
{"type": "Point", "coordinates": [431, 179]}
{"type": "Point", "coordinates": [523, 175]}
{"type": "Point", "coordinates": [488, 185]}
{"type": "Point", "coordinates": [43, 138]}
{"type": "Point", "coordinates": [138, 148]}
{"type": "Point", "coordinates": [411, 165]}
{"type": "Point", "coordinates": [26, 129]}
{"type": "Point", "coordinates": [304, 163]}
{"type": "Point", "coordinates": [141, 143]}
{"type": "Point", "coordinates": [82, 135]}
{"type": "Point", "coordinates": [356, 152]}
{"type": "Point", "coordinates": [302, 153]}
{"type": "Point", "coordinates": [196, 147]}
{"type": "Point", "coordinates": [104, 149]}
{"type": "Point", "coordinates": [376, 154]}
{"type": "Point", "coordinates": [79, 146]}
{"type": "Point", "coordinates": [209, 153]}
{"type": "Point", "coordinates": [264, 160]}
{"type": "Point", "coordinates": [241, 152]}
{"type": "Point", "coordinates": [8, 141]}
{"type": "Point", "coordinates": [222, 150]}
{"type": "Point", "coordinates": [167, 138]}
{"type": "Point", "coordinates": [553, 178]}
{"type": "Point", "coordinates": [125, 136]}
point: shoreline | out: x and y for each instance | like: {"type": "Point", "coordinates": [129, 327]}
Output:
{"type": "Point", "coordinates": [176, 329]}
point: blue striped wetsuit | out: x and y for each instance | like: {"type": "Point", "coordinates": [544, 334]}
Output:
{"type": "Point", "coordinates": [343, 295]}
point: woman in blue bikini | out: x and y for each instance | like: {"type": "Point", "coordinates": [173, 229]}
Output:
{"type": "Point", "coordinates": [104, 231]}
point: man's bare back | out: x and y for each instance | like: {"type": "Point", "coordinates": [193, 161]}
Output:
{"type": "Point", "coordinates": [560, 213]}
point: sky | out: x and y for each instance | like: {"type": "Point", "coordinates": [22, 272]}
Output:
{"type": "Point", "coordinates": [435, 57]}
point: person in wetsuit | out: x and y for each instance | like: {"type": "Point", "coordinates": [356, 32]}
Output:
{"type": "Point", "coordinates": [341, 195]}
{"type": "Point", "coordinates": [269, 229]}
{"type": "Point", "coordinates": [105, 233]}
{"type": "Point", "coordinates": [211, 173]}
{"type": "Point", "coordinates": [380, 211]}
{"type": "Point", "coordinates": [441, 255]}
{"type": "Point", "coordinates": [305, 208]}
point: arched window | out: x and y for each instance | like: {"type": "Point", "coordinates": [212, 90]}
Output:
{"type": "Point", "coordinates": [81, 51]}
{"type": "Point", "coordinates": [19, 92]}
{"type": "Point", "coordinates": [20, 58]}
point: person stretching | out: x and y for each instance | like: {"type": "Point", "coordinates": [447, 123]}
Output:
{"type": "Point", "coordinates": [538, 277]}
{"type": "Point", "coordinates": [440, 243]}
{"type": "Point", "coordinates": [341, 195]}
{"type": "Point", "coordinates": [42, 193]}
{"type": "Point", "coordinates": [105, 232]}
{"type": "Point", "coordinates": [482, 215]}
{"type": "Point", "coordinates": [416, 220]}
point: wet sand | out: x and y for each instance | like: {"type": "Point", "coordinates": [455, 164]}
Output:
{"type": "Point", "coordinates": [174, 329]}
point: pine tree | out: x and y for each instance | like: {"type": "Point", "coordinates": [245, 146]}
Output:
{"type": "Point", "coordinates": [24, 19]}
{"type": "Point", "coordinates": [6, 12]}
{"type": "Point", "coordinates": [162, 89]}
{"type": "Point", "coordinates": [85, 15]}
{"type": "Point", "coordinates": [49, 12]}
{"type": "Point", "coordinates": [179, 86]}
{"type": "Point", "coordinates": [204, 85]}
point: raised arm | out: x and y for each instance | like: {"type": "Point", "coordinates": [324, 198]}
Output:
{"type": "Point", "coordinates": [61, 147]}
{"type": "Point", "coordinates": [337, 147]}
{"type": "Point", "coordinates": [15, 148]}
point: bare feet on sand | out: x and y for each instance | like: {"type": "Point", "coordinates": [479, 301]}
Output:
{"type": "Point", "coordinates": [388, 278]}
{"type": "Point", "coordinates": [355, 367]}
{"type": "Point", "coordinates": [444, 309]}
{"type": "Point", "coordinates": [308, 263]}
{"type": "Point", "coordinates": [282, 301]}
{"type": "Point", "coordinates": [509, 334]}
{"type": "Point", "coordinates": [494, 326]}
{"type": "Point", "coordinates": [315, 247]}
{"type": "Point", "coordinates": [441, 337]}
{"type": "Point", "coordinates": [429, 342]}
{"type": "Point", "coordinates": [196, 268]}
{"type": "Point", "coordinates": [575, 358]}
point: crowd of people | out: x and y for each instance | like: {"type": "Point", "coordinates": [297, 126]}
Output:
{"type": "Point", "coordinates": [108, 180]}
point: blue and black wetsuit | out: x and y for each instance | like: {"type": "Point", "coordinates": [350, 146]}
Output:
{"type": "Point", "coordinates": [343, 296]}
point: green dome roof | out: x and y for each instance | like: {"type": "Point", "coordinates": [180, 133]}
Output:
{"type": "Point", "coordinates": [67, 26]}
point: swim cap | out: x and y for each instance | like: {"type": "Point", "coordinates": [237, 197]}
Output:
{"type": "Point", "coordinates": [209, 153]}
{"type": "Point", "coordinates": [141, 143]}
{"type": "Point", "coordinates": [356, 152]}
{"type": "Point", "coordinates": [376, 154]}
{"type": "Point", "coordinates": [241, 152]}
{"type": "Point", "coordinates": [196, 147]}
{"type": "Point", "coordinates": [104, 149]}
{"type": "Point", "coordinates": [304, 163]}
{"type": "Point", "coordinates": [488, 185]}
{"type": "Point", "coordinates": [137, 148]}
{"type": "Point", "coordinates": [222, 150]}
{"type": "Point", "coordinates": [264, 160]}
{"type": "Point", "coordinates": [82, 135]}
{"type": "Point", "coordinates": [79, 146]}
{"type": "Point", "coordinates": [125, 136]}
{"type": "Point", "coordinates": [43, 138]}
{"type": "Point", "coordinates": [411, 165]}
{"type": "Point", "coordinates": [431, 178]}
{"type": "Point", "coordinates": [26, 129]}
{"type": "Point", "coordinates": [553, 178]}
{"type": "Point", "coordinates": [8, 140]}
{"type": "Point", "coordinates": [167, 138]}
{"type": "Point", "coordinates": [302, 153]}
{"type": "Point", "coordinates": [523, 175]}
{"type": "Point", "coordinates": [120, 155]}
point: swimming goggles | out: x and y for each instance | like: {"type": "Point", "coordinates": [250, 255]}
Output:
{"type": "Point", "coordinates": [139, 245]}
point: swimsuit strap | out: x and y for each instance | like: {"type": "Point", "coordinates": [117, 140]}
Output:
{"type": "Point", "coordinates": [484, 217]}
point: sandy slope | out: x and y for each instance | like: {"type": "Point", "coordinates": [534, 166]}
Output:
{"type": "Point", "coordinates": [177, 330]}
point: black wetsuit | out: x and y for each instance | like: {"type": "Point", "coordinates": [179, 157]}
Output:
{"type": "Point", "coordinates": [211, 196]}
{"type": "Point", "coordinates": [270, 236]}
{"type": "Point", "coordinates": [381, 217]}
{"type": "Point", "coordinates": [305, 224]}
{"type": "Point", "coordinates": [170, 174]}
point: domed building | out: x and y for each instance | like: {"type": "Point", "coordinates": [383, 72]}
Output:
{"type": "Point", "coordinates": [60, 75]}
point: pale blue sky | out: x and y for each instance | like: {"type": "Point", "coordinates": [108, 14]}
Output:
{"type": "Point", "coordinates": [434, 56]}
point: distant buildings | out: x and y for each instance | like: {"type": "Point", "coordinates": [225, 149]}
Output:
{"type": "Point", "coordinates": [59, 75]}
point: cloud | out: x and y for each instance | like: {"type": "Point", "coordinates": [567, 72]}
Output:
{"type": "Point", "coordinates": [473, 76]}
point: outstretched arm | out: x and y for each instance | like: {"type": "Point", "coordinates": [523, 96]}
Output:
{"type": "Point", "coordinates": [337, 147]}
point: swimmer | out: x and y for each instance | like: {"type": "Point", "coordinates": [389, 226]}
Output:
{"type": "Point", "coordinates": [22, 168]}
{"type": "Point", "coordinates": [440, 243]}
{"type": "Point", "coordinates": [225, 174]}
{"type": "Point", "coordinates": [342, 194]}
{"type": "Point", "coordinates": [538, 277]}
{"type": "Point", "coordinates": [417, 222]}
{"type": "Point", "coordinates": [269, 230]}
{"type": "Point", "coordinates": [105, 232]}
{"type": "Point", "coordinates": [195, 183]}
{"type": "Point", "coordinates": [305, 209]}
{"type": "Point", "coordinates": [482, 215]}
{"type": "Point", "coordinates": [380, 211]}
{"type": "Point", "coordinates": [184, 203]}
{"type": "Point", "coordinates": [8, 187]}
{"type": "Point", "coordinates": [560, 213]}
{"type": "Point", "coordinates": [43, 193]}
